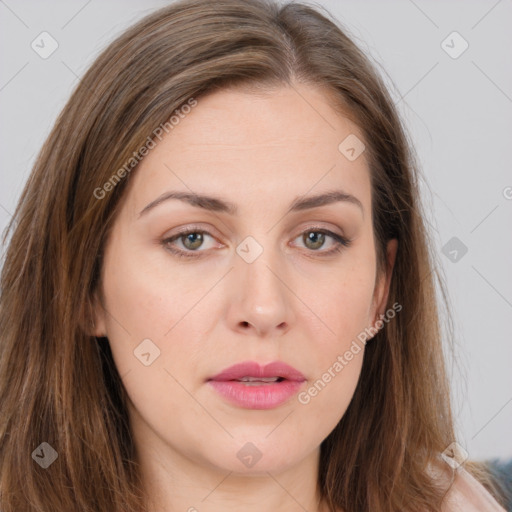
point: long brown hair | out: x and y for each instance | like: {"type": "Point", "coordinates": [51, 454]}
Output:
{"type": "Point", "coordinates": [59, 385]}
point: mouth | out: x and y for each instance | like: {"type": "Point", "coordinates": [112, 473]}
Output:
{"type": "Point", "coordinates": [252, 386]}
{"type": "Point", "coordinates": [259, 381]}
{"type": "Point", "coordinates": [251, 371]}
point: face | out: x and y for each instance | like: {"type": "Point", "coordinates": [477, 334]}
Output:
{"type": "Point", "coordinates": [263, 276]}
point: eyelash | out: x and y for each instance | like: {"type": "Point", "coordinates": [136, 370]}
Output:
{"type": "Point", "coordinates": [341, 242]}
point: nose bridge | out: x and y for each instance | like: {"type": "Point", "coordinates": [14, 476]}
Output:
{"type": "Point", "coordinates": [262, 298]}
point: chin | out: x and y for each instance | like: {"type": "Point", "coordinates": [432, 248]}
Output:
{"type": "Point", "coordinates": [258, 455]}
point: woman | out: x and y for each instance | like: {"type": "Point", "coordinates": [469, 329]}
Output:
{"type": "Point", "coordinates": [218, 294]}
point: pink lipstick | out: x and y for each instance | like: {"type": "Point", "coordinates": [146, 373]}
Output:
{"type": "Point", "coordinates": [252, 386]}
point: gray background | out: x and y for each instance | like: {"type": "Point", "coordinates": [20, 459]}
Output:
{"type": "Point", "coordinates": [458, 112]}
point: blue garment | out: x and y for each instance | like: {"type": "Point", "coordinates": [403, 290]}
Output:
{"type": "Point", "coordinates": [501, 471]}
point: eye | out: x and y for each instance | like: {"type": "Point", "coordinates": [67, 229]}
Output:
{"type": "Point", "coordinates": [192, 239]}
{"type": "Point", "coordinates": [314, 239]}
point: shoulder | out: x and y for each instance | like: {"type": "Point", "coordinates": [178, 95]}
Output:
{"type": "Point", "coordinates": [465, 492]}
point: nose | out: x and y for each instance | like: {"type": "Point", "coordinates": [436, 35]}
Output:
{"type": "Point", "coordinates": [260, 299]}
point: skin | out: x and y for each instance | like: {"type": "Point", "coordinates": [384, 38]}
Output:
{"type": "Point", "coordinates": [205, 314]}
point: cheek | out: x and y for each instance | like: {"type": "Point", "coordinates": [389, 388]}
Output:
{"type": "Point", "coordinates": [143, 291]}
{"type": "Point", "coordinates": [350, 298]}
{"type": "Point", "coordinates": [343, 306]}
{"type": "Point", "coordinates": [141, 305]}
{"type": "Point", "coordinates": [336, 352]}
{"type": "Point", "coordinates": [340, 348]}
{"type": "Point", "coordinates": [329, 394]}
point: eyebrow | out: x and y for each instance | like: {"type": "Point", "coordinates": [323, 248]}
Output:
{"type": "Point", "coordinates": [216, 204]}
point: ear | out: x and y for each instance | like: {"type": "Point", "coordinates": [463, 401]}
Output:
{"type": "Point", "coordinates": [382, 285]}
{"type": "Point", "coordinates": [94, 323]}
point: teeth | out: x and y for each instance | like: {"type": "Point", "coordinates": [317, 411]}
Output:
{"type": "Point", "coordinates": [258, 379]}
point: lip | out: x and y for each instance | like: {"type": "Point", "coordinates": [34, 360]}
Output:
{"type": "Point", "coordinates": [257, 395]}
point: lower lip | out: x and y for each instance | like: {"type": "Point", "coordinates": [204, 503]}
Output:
{"type": "Point", "coordinates": [264, 396]}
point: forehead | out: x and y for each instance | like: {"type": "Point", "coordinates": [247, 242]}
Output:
{"type": "Point", "coordinates": [238, 144]}
{"type": "Point", "coordinates": [301, 113]}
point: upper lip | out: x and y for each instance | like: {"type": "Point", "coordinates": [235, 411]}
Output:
{"type": "Point", "coordinates": [254, 369]}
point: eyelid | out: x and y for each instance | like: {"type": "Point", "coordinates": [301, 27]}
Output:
{"type": "Point", "coordinates": [193, 228]}
{"type": "Point", "coordinates": [316, 226]}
